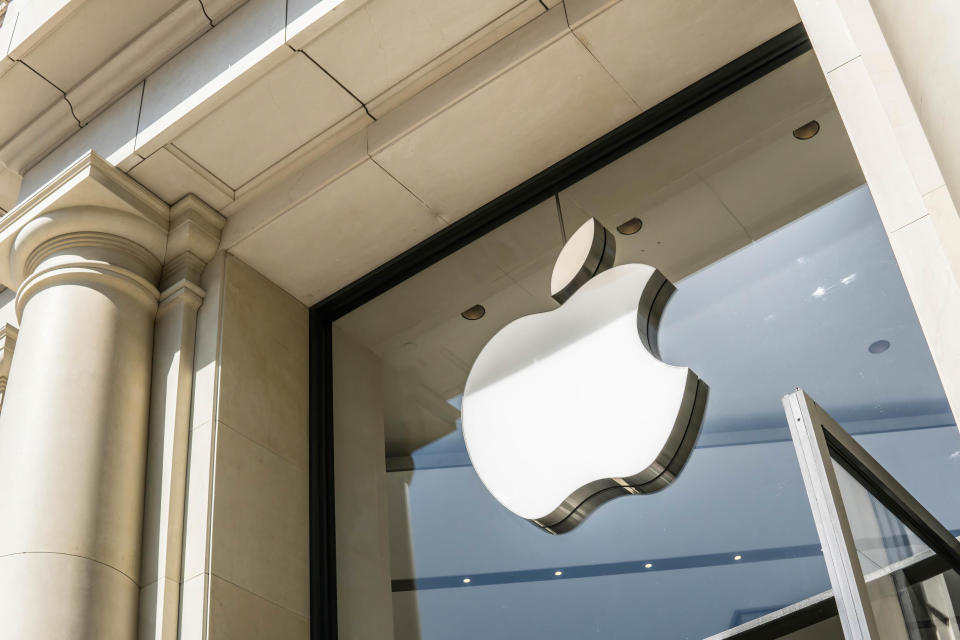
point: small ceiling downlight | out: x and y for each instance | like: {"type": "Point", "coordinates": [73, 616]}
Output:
{"type": "Point", "coordinates": [474, 313]}
{"type": "Point", "coordinates": [630, 227]}
{"type": "Point", "coordinates": [807, 131]}
{"type": "Point", "coordinates": [879, 346]}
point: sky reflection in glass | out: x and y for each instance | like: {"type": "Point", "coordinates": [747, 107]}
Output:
{"type": "Point", "coordinates": [733, 538]}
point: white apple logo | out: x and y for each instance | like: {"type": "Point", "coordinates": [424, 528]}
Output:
{"type": "Point", "coordinates": [567, 409]}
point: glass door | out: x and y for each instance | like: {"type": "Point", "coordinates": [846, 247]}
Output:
{"type": "Point", "coordinates": [892, 565]}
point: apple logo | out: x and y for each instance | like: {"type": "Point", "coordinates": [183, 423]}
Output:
{"type": "Point", "coordinates": [567, 409]}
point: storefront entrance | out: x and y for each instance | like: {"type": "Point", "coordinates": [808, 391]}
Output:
{"type": "Point", "coordinates": [784, 278]}
{"type": "Point", "coordinates": [893, 566]}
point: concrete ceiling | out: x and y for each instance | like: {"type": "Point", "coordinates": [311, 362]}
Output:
{"type": "Point", "coordinates": [554, 81]}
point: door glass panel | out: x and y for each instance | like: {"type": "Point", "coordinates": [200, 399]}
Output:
{"type": "Point", "coordinates": [913, 594]}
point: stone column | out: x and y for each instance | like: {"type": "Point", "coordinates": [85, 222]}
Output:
{"type": "Point", "coordinates": [904, 174]}
{"type": "Point", "coordinates": [193, 240]}
{"type": "Point", "coordinates": [85, 254]}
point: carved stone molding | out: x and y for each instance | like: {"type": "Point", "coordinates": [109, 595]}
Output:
{"type": "Point", "coordinates": [89, 197]}
{"type": "Point", "coordinates": [191, 242]}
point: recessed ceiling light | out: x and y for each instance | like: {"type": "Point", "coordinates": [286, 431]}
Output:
{"type": "Point", "coordinates": [558, 573]}
{"type": "Point", "coordinates": [474, 313]}
{"type": "Point", "coordinates": [630, 227]}
{"type": "Point", "coordinates": [807, 131]}
{"type": "Point", "coordinates": [466, 581]}
{"type": "Point", "coordinates": [647, 566]}
{"type": "Point", "coordinates": [737, 557]}
{"type": "Point", "coordinates": [879, 346]}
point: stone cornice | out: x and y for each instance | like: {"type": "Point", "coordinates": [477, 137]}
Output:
{"type": "Point", "coordinates": [89, 196]}
{"type": "Point", "coordinates": [109, 187]}
{"type": "Point", "coordinates": [102, 86]}
{"type": "Point", "coordinates": [175, 30]}
{"type": "Point", "coordinates": [38, 137]}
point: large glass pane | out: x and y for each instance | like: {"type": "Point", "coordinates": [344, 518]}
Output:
{"type": "Point", "coordinates": [767, 299]}
{"type": "Point", "coordinates": [821, 305]}
{"type": "Point", "coordinates": [913, 594]}
{"type": "Point", "coordinates": [733, 534]}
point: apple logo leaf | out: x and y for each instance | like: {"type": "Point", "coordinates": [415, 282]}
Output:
{"type": "Point", "coordinates": [567, 409]}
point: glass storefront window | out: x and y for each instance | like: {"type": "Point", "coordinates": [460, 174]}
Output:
{"type": "Point", "coordinates": [732, 538]}
{"type": "Point", "coordinates": [789, 300]}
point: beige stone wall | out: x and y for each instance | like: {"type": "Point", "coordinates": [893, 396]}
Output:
{"type": "Point", "coordinates": [246, 563]}
{"type": "Point", "coordinates": [363, 549]}
{"type": "Point", "coordinates": [922, 36]}
{"type": "Point", "coordinates": [896, 152]}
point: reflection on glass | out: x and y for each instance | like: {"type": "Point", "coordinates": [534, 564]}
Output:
{"type": "Point", "coordinates": [913, 594]}
{"type": "Point", "coordinates": [733, 538]}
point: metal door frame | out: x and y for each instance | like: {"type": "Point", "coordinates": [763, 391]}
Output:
{"type": "Point", "coordinates": [818, 441]}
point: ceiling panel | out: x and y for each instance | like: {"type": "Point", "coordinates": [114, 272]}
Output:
{"type": "Point", "coordinates": [289, 106]}
{"type": "Point", "coordinates": [514, 246]}
{"type": "Point", "coordinates": [509, 129]}
{"type": "Point", "coordinates": [356, 223]}
{"type": "Point", "coordinates": [654, 48]}
{"type": "Point", "coordinates": [776, 102]}
{"type": "Point", "coordinates": [468, 277]}
{"type": "Point", "coordinates": [171, 177]}
{"type": "Point", "coordinates": [785, 178]}
{"type": "Point", "coordinates": [685, 228]}
{"type": "Point", "coordinates": [384, 41]}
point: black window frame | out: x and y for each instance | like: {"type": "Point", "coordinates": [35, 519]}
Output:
{"type": "Point", "coordinates": [660, 118]}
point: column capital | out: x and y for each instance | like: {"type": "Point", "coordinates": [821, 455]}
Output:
{"type": "Point", "coordinates": [191, 243]}
{"type": "Point", "coordinates": [90, 197]}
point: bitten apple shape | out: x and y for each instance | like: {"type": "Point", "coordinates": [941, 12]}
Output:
{"type": "Point", "coordinates": [567, 409]}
